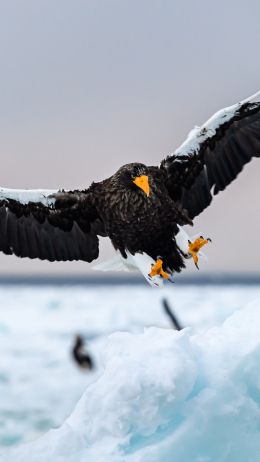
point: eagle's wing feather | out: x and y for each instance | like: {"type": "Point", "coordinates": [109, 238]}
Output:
{"type": "Point", "coordinates": [49, 225]}
{"type": "Point", "coordinates": [213, 155]}
{"type": "Point", "coordinates": [24, 196]}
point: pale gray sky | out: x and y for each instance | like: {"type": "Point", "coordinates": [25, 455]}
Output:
{"type": "Point", "coordinates": [88, 85]}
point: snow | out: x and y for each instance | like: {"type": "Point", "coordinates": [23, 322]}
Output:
{"type": "Point", "coordinates": [199, 134]}
{"type": "Point", "coordinates": [158, 395]}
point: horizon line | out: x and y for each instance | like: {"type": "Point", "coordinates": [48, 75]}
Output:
{"type": "Point", "coordinates": [114, 279]}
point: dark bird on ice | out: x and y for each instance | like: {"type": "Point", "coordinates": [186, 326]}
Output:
{"type": "Point", "coordinates": [81, 357]}
{"type": "Point", "coordinates": [140, 208]}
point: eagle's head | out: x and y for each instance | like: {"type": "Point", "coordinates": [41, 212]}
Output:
{"type": "Point", "coordinates": [135, 175]}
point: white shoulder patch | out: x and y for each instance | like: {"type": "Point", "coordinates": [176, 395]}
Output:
{"type": "Point", "coordinates": [199, 134]}
{"type": "Point", "coordinates": [24, 196]}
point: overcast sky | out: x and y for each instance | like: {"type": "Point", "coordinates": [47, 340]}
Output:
{"type": "Point", "coordinates": [88, 85]}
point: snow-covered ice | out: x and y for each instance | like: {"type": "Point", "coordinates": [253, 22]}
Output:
{"type": "Point", "coordinates": [158, 395]}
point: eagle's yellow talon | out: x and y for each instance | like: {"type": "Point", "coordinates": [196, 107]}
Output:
{"type": "Point", "coordinates": [157, 270]}
{"type": "Point", "coordinates": [194, 248]}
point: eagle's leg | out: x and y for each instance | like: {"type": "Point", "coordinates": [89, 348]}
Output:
{"type": "Point", "coordinates": [157, 270]}
{"type": "Point", "coordinates": [194, 248]}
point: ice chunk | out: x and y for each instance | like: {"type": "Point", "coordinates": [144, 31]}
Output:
{"type": "Point", "coordinates": [165, 395]}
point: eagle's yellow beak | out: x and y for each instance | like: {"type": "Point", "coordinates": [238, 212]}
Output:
{"type": "Point", "coordinates": [143, 183]}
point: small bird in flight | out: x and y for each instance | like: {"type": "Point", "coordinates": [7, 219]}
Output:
{"type": "Point", "coordinates": [140, 208]}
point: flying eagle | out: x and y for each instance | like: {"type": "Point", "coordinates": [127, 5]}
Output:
{"type": "Point", "coordinates": [140, 208]}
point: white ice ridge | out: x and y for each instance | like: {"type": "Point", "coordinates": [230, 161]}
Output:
{"type": "Point", "coordinates": [199, 134]}
{"type": "Point", "coordinates": [24, 196]}
{"type": "Point", "coordinates": [166, 396]}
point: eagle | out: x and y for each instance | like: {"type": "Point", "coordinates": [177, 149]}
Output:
{"type": "Point", "coordinates": [141, 209]}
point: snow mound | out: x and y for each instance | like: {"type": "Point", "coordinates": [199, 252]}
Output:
{"type": "Point", "coordinates": [164, 395]}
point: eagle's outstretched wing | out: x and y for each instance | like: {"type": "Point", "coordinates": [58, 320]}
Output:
{"type": "Point", "coordinates": [212, 155]}
{"type": "Point", "coordinates": [50, 225]}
